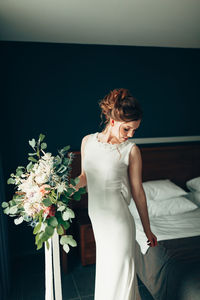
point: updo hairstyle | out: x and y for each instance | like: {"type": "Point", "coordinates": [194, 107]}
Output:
{"type": "Point", "coordinates": [120, 105]}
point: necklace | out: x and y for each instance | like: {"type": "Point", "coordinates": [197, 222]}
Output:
{"type": "Point", "coordinates": [109, 143]}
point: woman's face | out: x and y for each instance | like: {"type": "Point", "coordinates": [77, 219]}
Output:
{"type": "Point", "coordinates": [125, 130]}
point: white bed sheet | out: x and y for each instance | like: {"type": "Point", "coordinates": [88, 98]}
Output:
{"type": "Point", "coordinates": [170, 227]}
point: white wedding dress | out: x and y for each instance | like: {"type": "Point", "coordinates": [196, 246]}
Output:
{"type": "Point", "coordinates": [106, 168]}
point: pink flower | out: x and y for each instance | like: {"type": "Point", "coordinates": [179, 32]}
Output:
{"type": "Point", "coordinates": [50, 210]}
{"type": "Point", "coordinates": [42, 189]}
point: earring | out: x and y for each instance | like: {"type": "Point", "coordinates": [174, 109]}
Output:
{"type": "Point", "coordinates": [112, 122]}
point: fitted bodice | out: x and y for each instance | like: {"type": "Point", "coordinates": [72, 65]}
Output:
{"type": "Point", "coordinates": [106, 168]}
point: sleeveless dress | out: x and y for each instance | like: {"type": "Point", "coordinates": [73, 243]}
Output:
{"type": "Point", "coordinates": [106, 169]}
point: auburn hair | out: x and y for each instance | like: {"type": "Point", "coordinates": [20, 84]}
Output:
{"type": "Point", "coordinates": [120, 105]}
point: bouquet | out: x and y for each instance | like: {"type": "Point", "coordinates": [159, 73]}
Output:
{"type": "Point", "coordinates": [43, 191]}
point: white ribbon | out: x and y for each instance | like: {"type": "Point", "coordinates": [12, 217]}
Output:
{"type": "Point", "coordinates": [53, 290]}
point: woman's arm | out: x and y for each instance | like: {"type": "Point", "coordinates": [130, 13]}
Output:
{"type": "Point", "coordinates": [135, 178]}
{"type": "Point", "coordinates": [82, 176]}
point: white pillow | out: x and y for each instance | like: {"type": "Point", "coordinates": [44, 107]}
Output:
{"type": "Point", "coordinates": [171, 206]}
{"type": "Point", "coordinates": [162, 189]}
{"type": "Point", "coordinates": [194, 197]}
{"type": "Point", "coordinates": [193, 184]}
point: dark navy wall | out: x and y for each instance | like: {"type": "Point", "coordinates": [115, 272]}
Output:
{"type": "Point", "coordinates": [55, 88]}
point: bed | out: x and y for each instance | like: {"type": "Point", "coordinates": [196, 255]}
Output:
{"type": "Point", "coordinates": [170, 271]}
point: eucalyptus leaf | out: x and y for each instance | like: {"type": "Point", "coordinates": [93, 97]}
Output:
{"type": "Point", "coordinates": [4, 204]}
{"type": "Point", "coordinates": [66, 225]}
{"type": "Point", "coordinates": [60, 230]}
{"type": "Point", "coordinates": [12, 202]}
{"type": "Point", "coordinates": [41, 137]}
{"type": "Point", "coordinates": [61, 208]}
{"type": "Point", "coordinates": [77, 179]}
{"type": "Point", "coordinates": [17, 197]}
{"type": "Point", "coordinates": [49, 230]}
{"type": "Point", "coordinates": [69, 191]}
{"type": "Point", "coordinates": [7, 211]}
{"type": "Point", "coordinates": [68, 214]}
{"type": "Point", "coordinates": [62, 169]}
{"type": "Point", "coordinates": [32, 154]}
{"type": "Point", "coordinates": [71, 241]}
{"type": "Point", "coordinates": [45, 236]}
{"type": "Point", "coordinates": [66, 148]}
{"type": "Point", "coordinates": [66, 248]}
{"type": "Point", "coordinates": [27, 218]}
{"type": "Point", "coordinates": [18, 220]}
{"type": "Point", "coordinates": [43, 146]}
{"type": "Point", "coordinates": [29, 166]}
{"type": "Point", "coordinates": [13, 210]}
{"type": "Point", "coordinates": [63, 240]}
{"type": "Point", "coordinates": [47, 244]}
{"type": "Point", "coordinates": [37, 228]}
{"type": "Point", "coordinates": [11, 181]}
{"type": "Point", "coordinates": [32, 143]}
{"type": "Point", "coordinates": [47, 202]}
{"type": "Point", "coordinates": [72, 181]}
{"type": "Point", "coordinates": [19, 173]}
{"type": "Point", "coordinates": [39, 244]}
{"type": "Point", "coordinates": [32, 159]}
{"type": "Point", "coordinates": [37, 238]}
{"type": "Point", "coordinates": [68, 239]}
{"type": "Point", "coordinates": [19, 168]}
{"type": "Point", "coordinates": [77, 196]}
{"type": "Point", "coordinates": [57, 160]}
{"type": "Point", "coordinates": [82, 190]}
{"type": "Point", "coordinates": [65, 161]}
{"type": "Point", "coordinates": [52, 221]}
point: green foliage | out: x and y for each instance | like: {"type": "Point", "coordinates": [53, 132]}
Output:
{"type": "Point", "coordinates": [52, 221]}
{"type": "Point", "coordinates": [43, 146]}
{"type": "Point", "coordinates": [32, 143]}
{"type": "Point", "coordinates": [32, 159]}
{"type": "Point", "coordinates": [77, 196]}
{"type": "Point", "coordinates": [11, 181]}
{"type": "Point", "coordinates": [13, 210]}
{"type": "Point", "coordinates": [37, 228]}
{"type": "Point", "coordinates": [47, 244]}
{"type": "Point", "coordinates": [47, 202]}
{"type": "Point", "coordinates": [7, 211]}
{"type": "Point", "coordinates": [29, 166]}
{"type": "Point", "coordinates": [60, 230]}
{"type": "Point", "coordinates": [67, 240]}
{"type": "Point", "coordinates": [61, 190]}
{"type": "Point", "coordinates": [41, 137]}
{"type": "Point", "coordinates": [82, 190]}
{"type": "Point", "coordinates": [4, 204]}
{"type": "Point", "coordinates": [18, 220]}
{"type": "Point", "coordinates": [49, 230]}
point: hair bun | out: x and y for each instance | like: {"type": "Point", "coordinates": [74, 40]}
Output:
{"type": "Point", "coordinates": [120, 105]}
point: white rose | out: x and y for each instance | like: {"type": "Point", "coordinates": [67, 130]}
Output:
{"type": "Point", "coordinates": [41, 178]}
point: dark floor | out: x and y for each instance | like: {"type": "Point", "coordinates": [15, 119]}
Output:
{"type": "Point", "coordinates": [77, 284]}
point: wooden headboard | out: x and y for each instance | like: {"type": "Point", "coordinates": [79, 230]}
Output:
{"type": "Point", "coordinates": [178, 163]}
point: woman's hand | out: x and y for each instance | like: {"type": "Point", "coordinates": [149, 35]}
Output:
{"type": "Point", "coordinates": [152, 239]}
{"type": "Point", "coordinates": [74, 188]}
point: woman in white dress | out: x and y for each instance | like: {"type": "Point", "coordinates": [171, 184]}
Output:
{"type": "Point", "coordinates": [112, 171]}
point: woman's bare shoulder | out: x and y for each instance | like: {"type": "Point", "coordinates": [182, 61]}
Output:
{"type": "Point", "coordinates": [135, 152]}
{"type": "Point", "coordinates": [84, 140]}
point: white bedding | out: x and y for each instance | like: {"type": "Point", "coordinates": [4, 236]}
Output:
{"type": "Point", "coordinates": [170, 227]}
